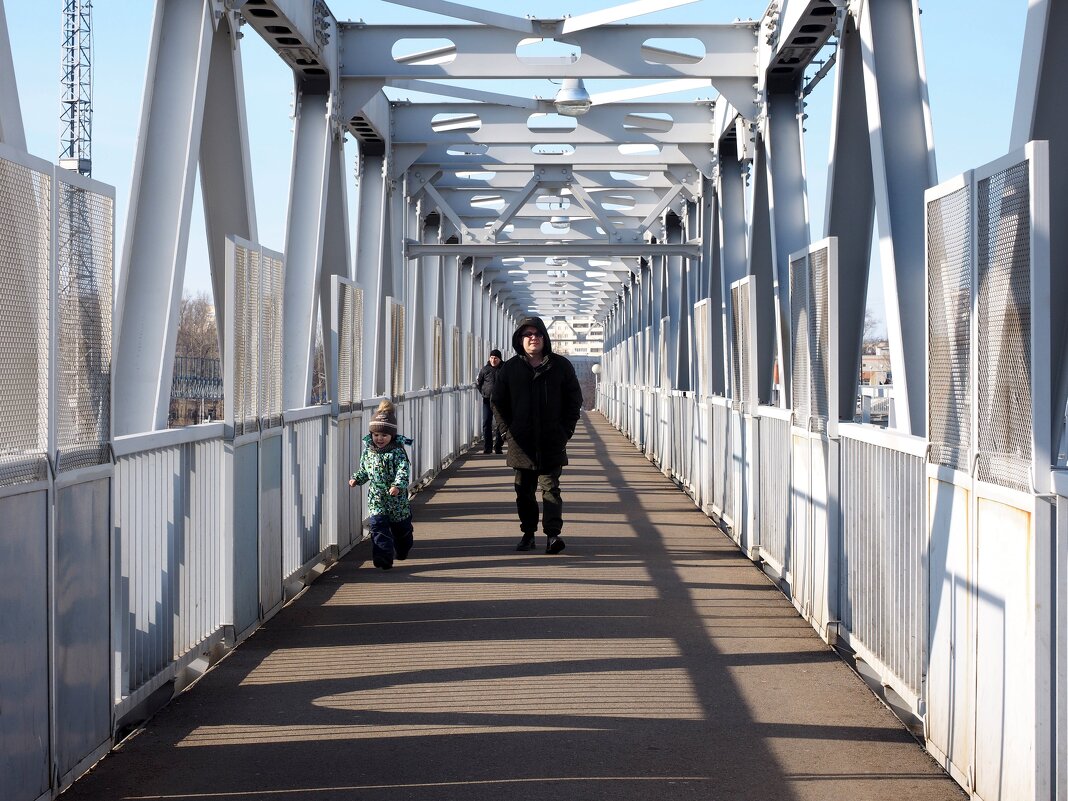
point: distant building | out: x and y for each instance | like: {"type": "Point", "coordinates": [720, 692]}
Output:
{"type": "Point", "coordinates": [577, 336]}
{"type": "Point", "coordinates": [875, 364]}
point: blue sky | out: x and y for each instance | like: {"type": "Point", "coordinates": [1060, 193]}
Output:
{"type": "Point", "coordinates": [972, 80]}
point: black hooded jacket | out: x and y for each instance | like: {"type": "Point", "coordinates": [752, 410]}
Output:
{"type": "Point", "coordinates": [537, 408]}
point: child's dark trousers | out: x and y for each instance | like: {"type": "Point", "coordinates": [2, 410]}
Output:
{"type": "Point", "coordinates": [390, 539]}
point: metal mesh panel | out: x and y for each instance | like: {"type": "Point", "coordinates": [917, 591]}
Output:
{"type": "Point", "coordinates": [246, 287]}
{"type": "Point", "coordinates": [469, 359]}
{"type": "Point", "coordinates": [25, 258]}
{"type": "Point", "coordinates": [949, 291]}
{"type": "Point", "coordinates": [799, 315]}
{"type": "Point", "coordinates": [819, 340]}
{"type": "Point", "coordinates": [269, 372]}
{"type": "Point", "coordinates": [455, 379]}
{"type": "Point", "coordinates": [357, 345]}
{"type": "Point", "coordinates": [702, 321]}
{"type": "Point", "coordinates": [737, 389]}
{"type": "Point", "coordinates": [396, 339]}
{"type": "Point", "coordinates": [1004, 323]}
{"type": "Point", "coordinates": [439, 353]}
{"type": "Point", "coordinates": [84, 241]}
{"type": "Point", "coordinates": [344, 347]}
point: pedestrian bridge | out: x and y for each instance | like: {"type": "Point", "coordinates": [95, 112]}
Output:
{"type": "Point", "coordinates": [731, 511]}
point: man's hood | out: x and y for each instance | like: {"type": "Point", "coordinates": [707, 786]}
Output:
{"type": "Point", "coordinates": [533, 322]}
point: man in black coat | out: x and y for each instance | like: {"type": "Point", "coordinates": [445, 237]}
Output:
{"type": "Point", "coordinates": [487, 377]}
{"type": "Point", "coordinates": [537, 400]}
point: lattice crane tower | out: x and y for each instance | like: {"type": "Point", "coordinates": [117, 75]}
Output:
{"type": "Point", "coordinates": [76, 116]}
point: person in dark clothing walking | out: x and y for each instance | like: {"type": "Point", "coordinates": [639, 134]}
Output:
{"type": "Point", "coordinates": [537, 400]}
{"type": "Point", "coordinates": [492, 440]}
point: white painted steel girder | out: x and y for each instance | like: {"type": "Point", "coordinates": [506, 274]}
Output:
{"type": "Point", "coordinates": [589, 249]}
{"type": "Point", "coordinates": [500, 125]}
{"type": "Point", "coordinates": [1041, 115]}
{"type": "Point", "coordinates": [157, 225]}
{"type": "Point", "coordinates": [459, 154]}
{"type": "Point", "coordinates": [903, 166]}
{"type": "Point", "coordinates": [11, 129]}
{"type": "Point", "coordinates": [611, 51]}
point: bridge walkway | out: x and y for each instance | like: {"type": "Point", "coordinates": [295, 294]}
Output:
{"type": "Point", "coordinates": [649, 660]}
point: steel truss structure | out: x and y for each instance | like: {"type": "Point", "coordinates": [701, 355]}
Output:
{"type": "Point", "coordinates": [477, 206]}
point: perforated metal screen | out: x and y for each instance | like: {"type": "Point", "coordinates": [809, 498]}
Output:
{"type": "Point", "coordinates": [396, 350]}
{"type": "Point", "coordinates": [800, 385]}
{"type": "Point", "coordinates": [456, 379]}
{"type": "Point", "coordinates": [740, 344]}
{"type": "Point", "coordinates": [439, 353]}
{"type": "Point", "coordinates": [819, 339]}
{"type": "Point", "coordinates": [702, 315]}
{"type": "Point", "coordinates": [246, 350]}
{"type": "Point", "coordinates": [350, 346]}
{"type": "Point", "coordinates": [344, 347]}
{"type": "Point", "coordinates": [811, 347]}
{"type": "Point", "coordinates": [259, 278]}
{"type": "Point", "coordinates": [949, 292]}
{"type": "Point", "coordinates": [25, 260]}
{"type": "Point", "coordinates": [84, 257]}
{"type": "Point", "coordinates": [1004, 369]}
{"type": "Point", "coordinates": [272, 269]}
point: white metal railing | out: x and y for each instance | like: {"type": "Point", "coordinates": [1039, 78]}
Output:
{"type": "Point", "coordinates": [882, 579]}
{"type": "Point", "coordinates": [866, 574]}
{"type": "Point", "coordinates": [168, 522]}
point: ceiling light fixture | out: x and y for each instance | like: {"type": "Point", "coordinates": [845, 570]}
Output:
{"type": "Point", "coordinates": [572, 100]}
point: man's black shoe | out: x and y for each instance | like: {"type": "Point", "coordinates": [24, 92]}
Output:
{"type": "Point", "coordinates": [554, 545]}
{"type": "Point", "coordinates": [526, 544]}
{"type": "Point", "coordinates": [498, 451]}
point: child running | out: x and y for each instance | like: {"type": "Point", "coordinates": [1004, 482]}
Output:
{"type": "Point", "coordinates": [384, 463]}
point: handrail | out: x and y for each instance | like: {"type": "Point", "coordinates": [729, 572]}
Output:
{"type": "Point", "coordinates": [153, 440]}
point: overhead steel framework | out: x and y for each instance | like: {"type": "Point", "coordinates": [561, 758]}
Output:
{"type": "Point", "coordinates": [478, 204]}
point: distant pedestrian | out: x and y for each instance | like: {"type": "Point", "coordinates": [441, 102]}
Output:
{"type": "Point", "coordinates": [384, 464]}
{"type": "Point", "coordinates": [492, 441]}
{"type": "Point", "coordinates": [537, 400]}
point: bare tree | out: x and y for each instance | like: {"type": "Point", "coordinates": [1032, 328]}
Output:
{"type": "Point", "coordinates": [198, 335]}
{"type": "Point", "coordinates": [871, 325]}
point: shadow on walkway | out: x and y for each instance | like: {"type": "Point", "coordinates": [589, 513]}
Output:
{"type": "Point", "coordinates": [650, 660]}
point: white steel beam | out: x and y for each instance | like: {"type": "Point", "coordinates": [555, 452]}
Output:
{"type": "Point", "coordinates": [503, 125]}
{"type": "Point", "coordinates": [1041, 114]}
{"type": "Point", "coordinates": [607, 52]}
{"type": "Point", "coordinates": [469, 93]}
{"type": "Point", "coordinates": [850, 213]}
{"type": "Point", "coordinates": [225, 162]}
{"type": "Point", "coordinates": [304, 245]}
{"type": "Point", "coordinates": [157, 224]}
{"type": "Point", "coordinates": [337, 257]}
{"type": "Point", "coordinates": [899, 128]}
{"type": "Point", "coordinates": [461, 11]}
{"type": "Point", "coordinates": [618, 13]}
{"type": "Point", "coordinates": [593, 249]}
{"type": "Point", "coordinates": [11, 129]}
{"type": "Point", "coordinates": [788, 194]}
{"type": "Point", "coordinates": [372, 232]}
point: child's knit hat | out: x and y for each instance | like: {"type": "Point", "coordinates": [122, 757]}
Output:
{"type": "Point", "coordinates": [384, 420]}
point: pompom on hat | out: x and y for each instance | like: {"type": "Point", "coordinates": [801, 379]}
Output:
{"type": "Point", "coordinates": [384, 420]}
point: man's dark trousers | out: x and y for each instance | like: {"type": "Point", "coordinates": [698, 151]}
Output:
{"type": "Point", "coordinates": [527, 483]}
{"type": "Point", "coordinates": [491, 436]}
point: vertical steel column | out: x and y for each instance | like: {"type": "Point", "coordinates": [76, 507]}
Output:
{"type": "Point", "coordinates": [732, 238]}
{"type": "Point", "coordinates": [11, 128]}
{"type": "Point", "coordinates": [304, 244]}
{"type": "Point", "coordinates": [657, 308]}
{"type": "Point", "coordinates": [762, 267]}
{"type": "Point", "coordinates": [372, 268]}
{"type": "Point", "coordinates": [337, 256]}
{"type": "Point", "coordinates": [712, 277]}
{"type": "Point", "coordinates": [225, 163]}
{"type": "Point", "coordinates": [157, 224]}
{"type": "Point", "coordinates": [850, 206]}
{"type": "Point", "coordinates": [676, 302]}
{"type": "Point", "coordinates": [788, 195]}
{"type": "Point", "coordinates": [1041, 114]}
{"type": "Point", "coordinates": [903, 166]}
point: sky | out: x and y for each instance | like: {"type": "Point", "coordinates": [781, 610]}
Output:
{"type": "Point", "coordinates": [972, 78]}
